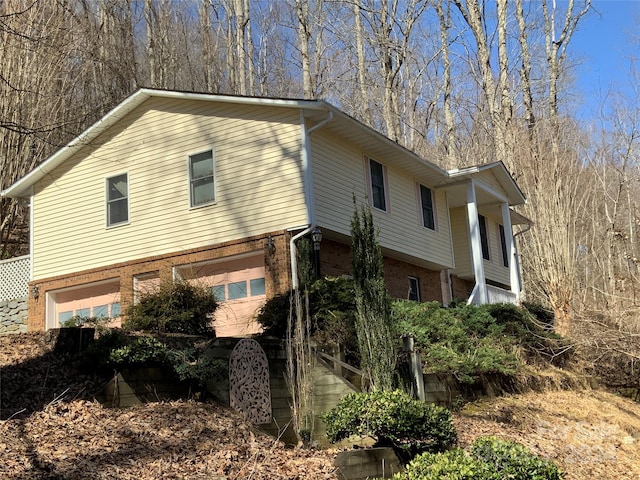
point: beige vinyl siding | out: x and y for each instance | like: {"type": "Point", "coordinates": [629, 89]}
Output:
{"type": "Point", "coordinates": [461, 245]}
{"type": "Point", "coordinates": [494, 270]}
{"type": "Point", "coordinates": [339, 173]}
{"type": "Point", "coordinates": [488, 178]}
{"type": "Point", "coordinates": [257, 173]}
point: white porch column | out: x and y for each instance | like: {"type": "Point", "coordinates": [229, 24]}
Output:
{"type": "Point", "coordinates": [514, 275]}
{"type": "Point", "coordinates": [476, 246]}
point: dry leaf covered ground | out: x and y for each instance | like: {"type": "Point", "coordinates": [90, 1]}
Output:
{"type": "Point", "coordinates": [50, 429]}
{"type": "Point", "coordinates": [590, 434]}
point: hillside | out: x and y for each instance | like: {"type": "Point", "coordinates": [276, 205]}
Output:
{"type": "Point", "coordinates": [590, 434]}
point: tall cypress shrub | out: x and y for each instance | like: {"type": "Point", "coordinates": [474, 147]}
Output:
{"type": "Point", "coordinates": [373, 306]}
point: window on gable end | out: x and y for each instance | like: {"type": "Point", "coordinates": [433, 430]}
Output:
{"type": "Point", "coordinates": [117, 200]}
{"type": "Point", "coordinates": [503, 245]}
{"type": "Point", "coordinates": [202, 179]}
{"type": "Point", "coordinates": [377, 174]}
{"type": "Point", "coordinates": [484, 239]}
{"type": "Point", "coordinates": [427, 211]}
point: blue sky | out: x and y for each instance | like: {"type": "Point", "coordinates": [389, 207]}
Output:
{"type": "Point", "coordinates": [604, 44]}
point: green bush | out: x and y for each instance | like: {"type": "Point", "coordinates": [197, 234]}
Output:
{"type": "Point", "coordinates": [455, 464]}
{"type": "Point", "coordinates": [115, 350]}
{"type": "Point", "coordinates": [537, 340]}
{"type": "Point", "coordinates": [393, 419]}
{"type": "Point", "coordinates": [543, 315]}
{"type": "Point", "coordinates": [465, 341]}
{"type": "Point", "coordinates": [490, 459]}
{"type": "Point", "coordinates": [142, 351]}
{"type": "Point", "coordinates": [332, 309]}
{"type": "Point", "coordinates": [512, 460]}
{"type": "Point", "coordinates": [176, 307]}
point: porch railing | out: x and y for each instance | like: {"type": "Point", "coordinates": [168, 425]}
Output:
{"type": "Point", "coordinates": [494, 295]}
{"type": "Point", "coordinates": [500, 295]}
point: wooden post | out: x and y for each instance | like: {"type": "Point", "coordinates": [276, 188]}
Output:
{"type": "Point", "coordinates": [415, 366]}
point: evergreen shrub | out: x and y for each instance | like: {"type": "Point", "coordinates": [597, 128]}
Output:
{"type": "Point", "coordinates": [115, 350]}
{"type": "Point", "coordinates": [176, 307]}
{"type": "Point", "coordinates": [513, 460]}
{"type": "Point", "coordinates": [465, 341]}
{"type": "Point", "coordinates": [393, 419]}
{"type": "Point", "coordinates": [332, 311]}
{"type": "Point", "coordinates": [489, 459]}
{"type": "Point", "coordinates": [455, 464]}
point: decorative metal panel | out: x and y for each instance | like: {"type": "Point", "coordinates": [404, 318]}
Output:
{"type": "Point", "coordinates": [249, 385]}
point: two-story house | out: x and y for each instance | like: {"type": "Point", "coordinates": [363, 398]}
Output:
{"type": "Point", "coordinates": [219, 189]}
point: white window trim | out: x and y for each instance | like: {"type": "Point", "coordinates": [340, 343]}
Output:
{"type": "Point", "coordinates": [106, 201]}
{"type": "Point", "coordinates": [385, 182]}
{"type": "Point", "coordinates": [433, 206]}
{"type": "Point", "coordinates": [215, 178]}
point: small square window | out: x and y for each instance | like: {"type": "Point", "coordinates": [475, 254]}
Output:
{"type": "Point", "coordinates": [117, 200]}
{"type": "Point", "coordinates": [257, 287]}
{"type": "Point", "coordinates": [237, 290]}
{"type": "Point", "coordinates": [218, 292]}
{"type": "Point", "coordinates": [64, 316]}
{"type": "Point", "coordinates": [115, 310]}
{"type": "Point", "coordinates": [414, 289]}
{"type": "Point", "coordinates": [83, 312]}
{"type": "Point", "coordinates": [201, 179]}
{"type": "Point", "coordinates": [101, 311]}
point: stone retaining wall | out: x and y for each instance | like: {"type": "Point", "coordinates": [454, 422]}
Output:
{"type": "Point", "coordinates": [13, 316]}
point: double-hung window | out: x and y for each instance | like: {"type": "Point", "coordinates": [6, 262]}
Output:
{"type": "Point", "coordinates": [484, 239]}
{"type": "Point", "coordinates": [117, 200]}
{"type": "Point", "coordinates": [426, 205]}
{"type": "Point", "coordinates": [503, 245]}
{"type": "Point", "coordinates": [202, 189]}
{"type": "Point", "coordinates": [378, 188]}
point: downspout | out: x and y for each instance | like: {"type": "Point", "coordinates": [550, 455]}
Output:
{"type": "Point", "coordinates": [516, 255]}
{"type": "Point", "coordinates": [310, 200]}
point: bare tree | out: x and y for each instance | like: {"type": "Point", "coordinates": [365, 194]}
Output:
{"type": "Point", "coordinates": [556, 44]}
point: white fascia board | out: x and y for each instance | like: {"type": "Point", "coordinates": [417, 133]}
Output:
{"type": "Point", "coordinates": [516, 197]}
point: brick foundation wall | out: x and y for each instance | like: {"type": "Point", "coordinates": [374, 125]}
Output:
{"type": "Point", "coordinates": [277, 271]}
{"type": "Point", "coordinates": [461, 289]}
{"type": "Point", "coordinates": [335, 260]}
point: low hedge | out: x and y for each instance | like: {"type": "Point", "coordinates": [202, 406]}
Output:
{"type": "Point", "coordinates": [490, 459]}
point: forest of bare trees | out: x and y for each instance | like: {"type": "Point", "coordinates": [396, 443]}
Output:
{"type": "Point", "coordinates": [460, 82]}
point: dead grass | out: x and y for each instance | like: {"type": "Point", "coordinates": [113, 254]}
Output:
{"type": "Point", "coordinates": [590, 434]}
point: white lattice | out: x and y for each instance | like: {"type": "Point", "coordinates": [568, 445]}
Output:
{"type": "Point", "coordinates": [14, 277]}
